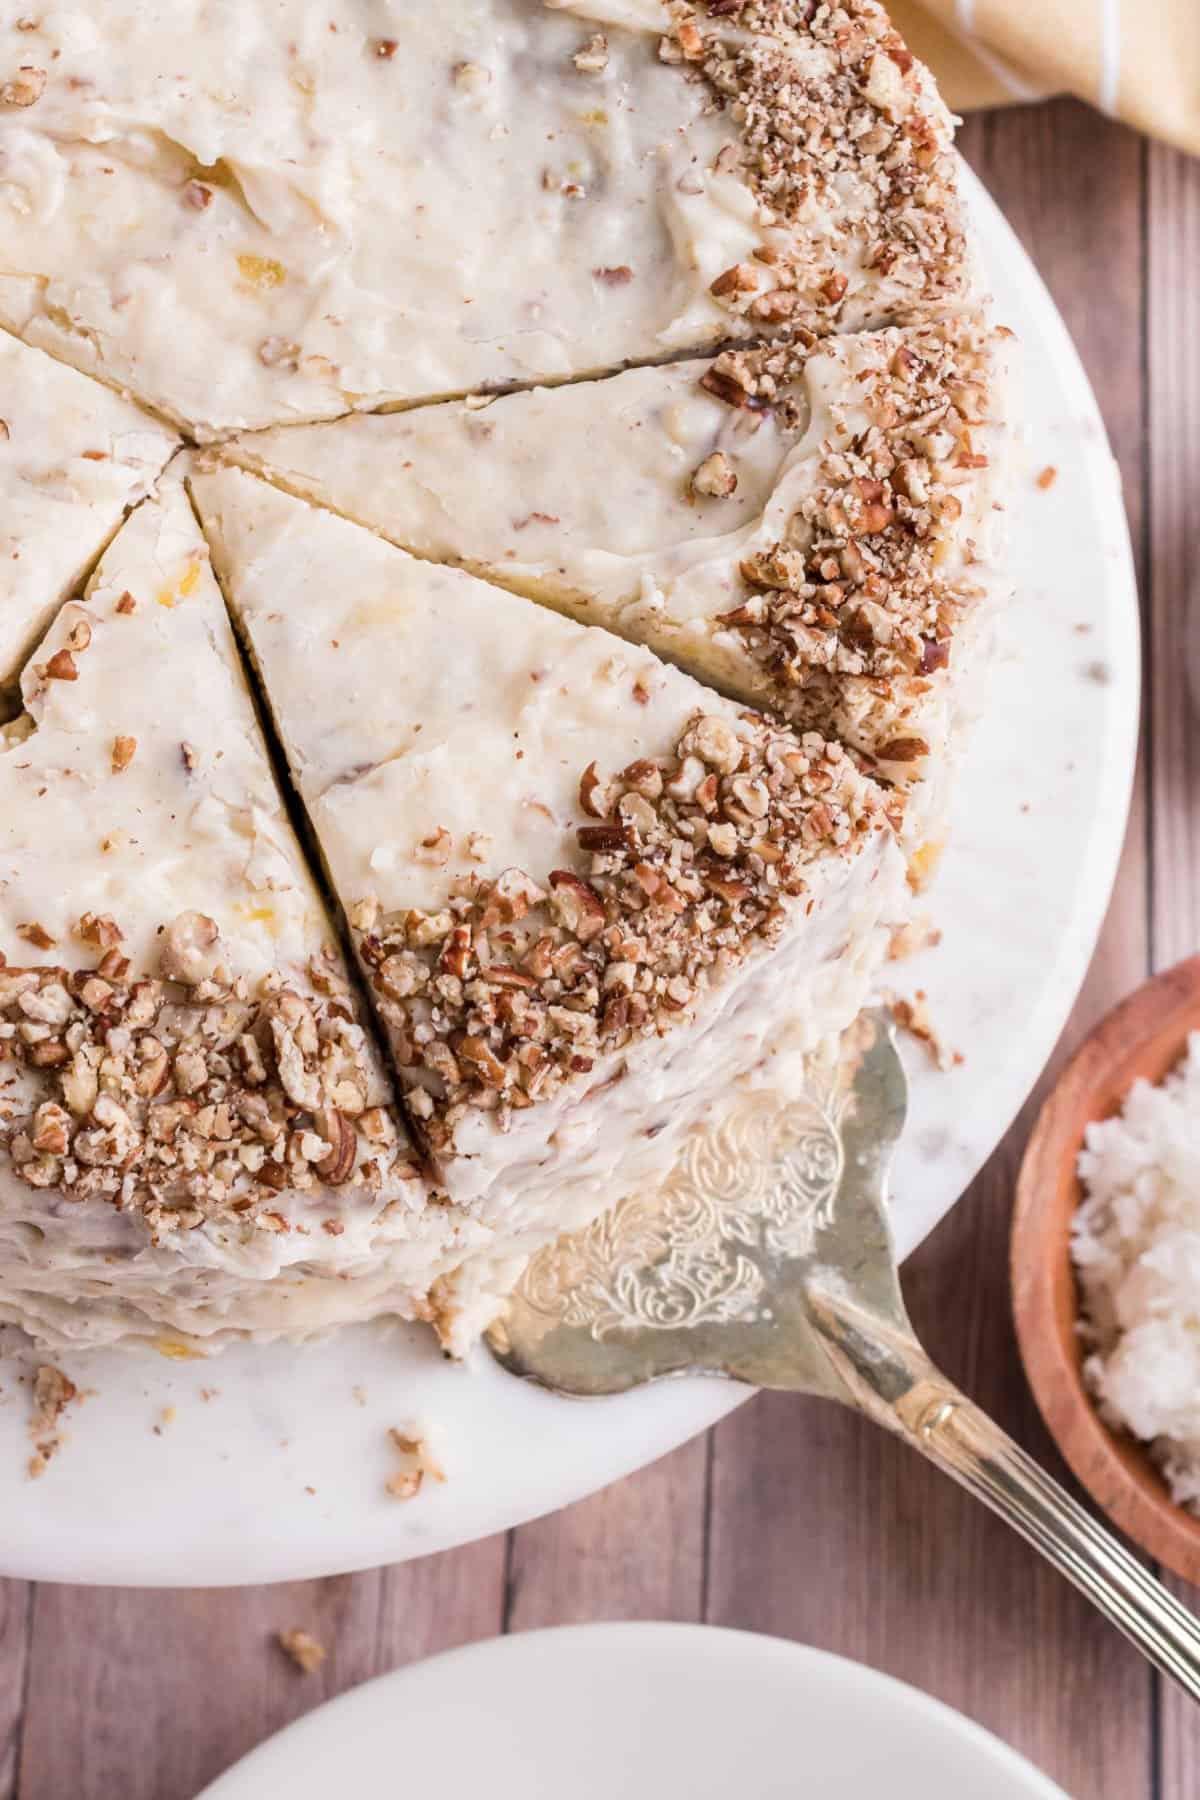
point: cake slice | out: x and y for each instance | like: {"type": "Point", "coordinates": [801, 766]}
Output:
{"type": "Point", "coordinates": [319, 209]}
{"type": "Point", "coordinates": [196, 1137]}
{"type": "Point", "coordinates": [73, 458]}
{"type": "Point", "coordinates": [815, 528]}
{"type": "Point", "coordinates": [590, 897]}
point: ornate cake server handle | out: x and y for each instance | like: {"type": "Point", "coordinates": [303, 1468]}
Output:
{"type": "Point", "coordinates": [890, 1379]}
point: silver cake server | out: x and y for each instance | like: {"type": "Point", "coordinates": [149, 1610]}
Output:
{"type": "Point", "coordinates": [768, 1259]}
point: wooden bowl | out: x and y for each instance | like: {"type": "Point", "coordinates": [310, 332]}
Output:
{"type": "Point", "coordinates": [1145, 1035]}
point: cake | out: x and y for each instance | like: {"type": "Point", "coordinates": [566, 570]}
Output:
{"type": "Point", "coordinates": [587, 894]}
{"type": "Point", "coordinates": [498, 533]}
{"type": "Point", "coordinates": [814, 528]}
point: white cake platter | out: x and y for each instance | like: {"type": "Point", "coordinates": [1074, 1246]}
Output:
{"type": "Point", "coordinates": [272, 1462]}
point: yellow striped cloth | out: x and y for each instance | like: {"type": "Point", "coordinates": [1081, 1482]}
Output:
{"type": "Point", "coordinates": [1137, 59]}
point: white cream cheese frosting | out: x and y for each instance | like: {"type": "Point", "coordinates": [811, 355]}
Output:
{"type": "Point", "coordinates": [73, 459]}
{"type": "Point", "coordinates": [589, 895]}
{"type": "Point", "coordinates": [267, 212]}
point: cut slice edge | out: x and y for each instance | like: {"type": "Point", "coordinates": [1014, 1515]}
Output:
{"type": "Point", "coordinates": [814, 528]}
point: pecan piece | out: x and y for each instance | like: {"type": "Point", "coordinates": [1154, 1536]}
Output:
{"type": "Point", "coordinates": [37, 935]}
{"type": "Point", "coordinates": [601, 838]}
{"type": "Point", "coordinates": [595, 796]}
{"type": "Point", "coordinates": [476, 1053]}
{"type": "Point", "coordinates": [154, 1067]}
{"type": "Point", "coordinates": [456, 958]}
{"type": "Point", "coordinates": [123, 751]}
{"type": "Point", "coordinates": [877, 513]}
{"type": "Point", "coordinates": [61, 667]}
{"type": "Point", "coordinates": [691, 41]}
{"type": "Point", "coordinates": [338, 1133]}
{"type": "Point", "coordinates": [726, 888]}
{"type": "Point", "coordinates": [504, 975]}
{"type": "Point", "coordinates": [51, 1129]}
{"type": "Point", "coordinates": [902, 749]}
{"type": "Point", "coordinates": [100, 930]}
{"type": "Point", "coordinates": [577, 905]}
{"type": "Point", "coordinates": [715, 477]}
{"type": "Point", "coordinates": [739, 278]}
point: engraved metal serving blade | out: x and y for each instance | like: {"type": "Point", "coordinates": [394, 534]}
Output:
{"type": "Point", "coordinates": [767, 1258]}
{"type": "Point", "coordinates": [712, 1274]}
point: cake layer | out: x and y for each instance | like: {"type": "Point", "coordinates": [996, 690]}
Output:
{"type": "Point", "coordinates": [815, 528]}
{"type": "Point", "coordinates": [73, 458]}
{"type": "Point", "coordinates": [324, 208]}
{"type": "Point", "coordinates": [195, 1134]}
{"type": "Point", "coordinates": [588, 895]}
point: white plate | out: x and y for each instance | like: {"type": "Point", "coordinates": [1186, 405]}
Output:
{"type": "Point", "coordinates": [644, 1712]}
{"type": "Point", "coordinates": [1020, 899]}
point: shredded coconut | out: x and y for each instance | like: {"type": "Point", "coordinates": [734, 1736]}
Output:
{"type": "Point", "coordinates": [1136, 1247]}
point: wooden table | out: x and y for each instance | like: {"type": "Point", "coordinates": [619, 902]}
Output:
{"type": "Point", "coordinates": [790, 1517]}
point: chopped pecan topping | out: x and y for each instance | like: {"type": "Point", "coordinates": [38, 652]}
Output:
{"type": "Point", "coordinates": [514, 987]}
{"type": "Point", "coordinates": [188, 1098]}
{"type": "Point", "coordinates": [826, 102]}
{"type": "Point", "coordinates": [873, 572]}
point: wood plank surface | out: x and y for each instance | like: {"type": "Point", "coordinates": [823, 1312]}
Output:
{"type": "Point", "coordinates": [792, 1517]}
{"type": "Point", "coordinates": [149, 1695]}
{"type": "Point", "coordinates": [635, 1551]}
{"type": "Point", "coordinates": [16, 1599]}
{"type": "Point", "coordinates": [1173, 718]}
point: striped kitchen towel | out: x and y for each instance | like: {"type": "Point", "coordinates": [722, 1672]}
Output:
{"type": "Point", "coordinates": [1137, 59]}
